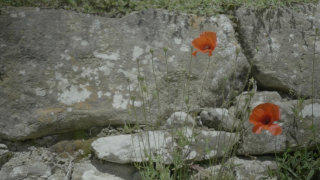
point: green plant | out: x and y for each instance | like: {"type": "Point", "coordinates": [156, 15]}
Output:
{"type": "Point", "coordinates": [300, 164]}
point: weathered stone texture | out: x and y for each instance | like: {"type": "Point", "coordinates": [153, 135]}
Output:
{"type": "Point", "coordinates": [282, 45]}
{"type": "Point", "coordinates": [63, 70]}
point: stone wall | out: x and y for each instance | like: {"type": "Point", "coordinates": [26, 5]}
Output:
{"type": "Point", "coordinates": [86, 97]}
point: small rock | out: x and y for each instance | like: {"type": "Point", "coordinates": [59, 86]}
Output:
{"type": "Point", "coordinates": [5, 154]}
{"type": "Point", "coordinates": [180, 119]}
{"type": "Point", "coordinates": [219, 119]}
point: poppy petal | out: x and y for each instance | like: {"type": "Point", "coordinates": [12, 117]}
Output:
{"type": "Point", "coordinates": [257, 129]}
{"type": "Point", "coordinates": [256, 115]}
{"type": "Point", "coordinates": [200, 43]}
{"type": "Point", "coordinates": [206, 42]}
{"type": "Point", "coordinates": [212, 37]}
{"type": "Point", "coordinates": [275, 129]}
{"type": "Point", "coordinates": [272, 110]}
{"type": "Point", "coordinates": [275, 113]}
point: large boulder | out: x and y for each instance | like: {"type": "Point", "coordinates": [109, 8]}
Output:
{"type": "Point", "coordinates": [282, 45]}
{"type": "Point", "coordinates": [62, 71]}
{"type": "Point", "coordinates": [164, 146]}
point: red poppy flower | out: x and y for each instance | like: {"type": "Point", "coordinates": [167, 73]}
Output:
{"type": "Point", "coordinates": [263, 116]}
{"type": "Point", "coordinates": [207, 42]}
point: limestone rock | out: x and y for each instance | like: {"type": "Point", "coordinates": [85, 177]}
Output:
{"type": "Point", "coordinates": [219, 119]}
{"type": "Point", "coordinates": [281, 45]}
{"type": "Point", "coordinates": [180, 119]}
{"type": "Point", "coordinates": [190, 144]}
{"type": "Point", "coordinates": [63, 70]}
{"type": "Point", "coordinates": [295, 120]}
{"type": "Point", "coordinates": [239, 169]}
{"type": "Point", "coordinates": [87, 170]}
{"type": "Point", "coordinates": [5, 154]}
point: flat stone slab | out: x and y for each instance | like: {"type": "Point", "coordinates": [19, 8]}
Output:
{"type": "Point", "coordinates": [162, 146]}
{"type": "Point", "coordinates": [88, 170]}
{"type": "Point", "coordinates": [62, 70]}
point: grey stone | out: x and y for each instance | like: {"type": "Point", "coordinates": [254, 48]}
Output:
{"type": "Point", "coordinates": [239, 169]}
{"type": "Point", "coordinates": [86, 170]}
{"type": "Point", "coordinates": [281, 46]}
{"type": "Point", "coordinates": [62, 70]}
{"type": "Point", "coordinates": [219, 119]}
{"type": "Point", "coordinates": [190, 144]}
{"type": "Point", "coordinates": [32, 164]}
{"type": "Point", "coordinates": [295, 120]}
{"type": "Point", "coordinates": [179, 119]}
{"type": "Point", "coordinates": [5, 154]}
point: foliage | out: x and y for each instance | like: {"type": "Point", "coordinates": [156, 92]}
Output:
{"type": "Point", "coordinates": [301, 164]}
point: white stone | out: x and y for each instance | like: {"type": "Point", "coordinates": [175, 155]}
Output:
{"type": "Point", "coordinates": [177, 40]}
{"type": "Point", "coordinates": [84, 43]}
{"type": "Point", "coordinates": [307, 110]}
{"type": "Point", "coordinates": [90, 175]}
{"type": "Point", "coordinates": [137, 52]}
{"type": "Point", "coordinates": [40, 92]}
{"type": "Point", "coordinates": [180, 119]}
{"type": "Point", "coordinates": [99, 93]}
{"type": "Point", "coordinates": [110, 56]}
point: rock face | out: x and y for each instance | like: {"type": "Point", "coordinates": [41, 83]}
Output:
{"type": "Point", "coordinates": [187, 143]}
{"type": "Point", "coordinates": [282, 45]}
{"type": "Point", "coordinates": [296, 121]}
{"type": "Point", "coordinates": [62, 71]}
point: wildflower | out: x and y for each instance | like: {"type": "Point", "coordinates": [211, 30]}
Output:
{"type": "Point", "coordinates": [263, 116]}
{"type": "Point", "coordinates": [207, 42]}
